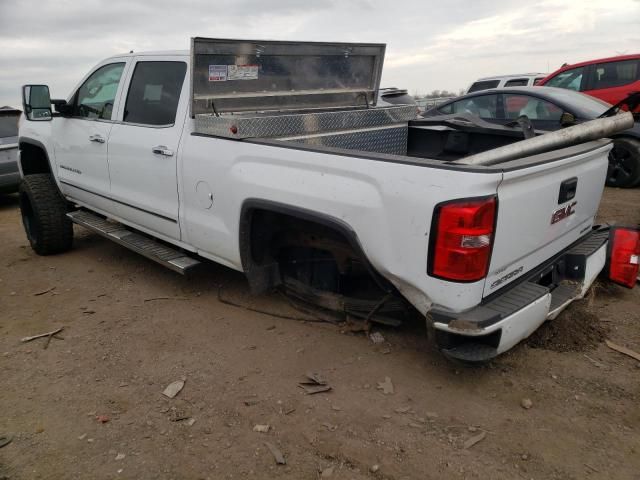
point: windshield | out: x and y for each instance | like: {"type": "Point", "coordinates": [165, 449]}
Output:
{"type": "Point", "coordinates": [582, 105]}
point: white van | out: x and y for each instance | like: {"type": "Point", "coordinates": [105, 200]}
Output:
{"type": "Point", "coordinates": [501, 81]}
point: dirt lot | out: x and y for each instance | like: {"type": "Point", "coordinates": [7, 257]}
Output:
{"type": "Point", "coordinates": [131, 328]}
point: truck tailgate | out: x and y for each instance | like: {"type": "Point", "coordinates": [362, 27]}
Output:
{"type": "Point", "coordinates": [544, 208]}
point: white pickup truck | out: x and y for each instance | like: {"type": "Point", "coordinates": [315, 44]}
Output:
{"type": "Point", "coordinates": [272, 158]}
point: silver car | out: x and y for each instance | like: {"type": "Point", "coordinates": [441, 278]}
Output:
{"type": "Point", "coordinates": [9, 174]}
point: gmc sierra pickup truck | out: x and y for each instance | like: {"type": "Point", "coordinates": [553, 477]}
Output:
{"type": "Point", "coordinates": [272, 158]}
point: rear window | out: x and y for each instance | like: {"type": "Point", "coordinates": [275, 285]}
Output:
{"type": "Point", "coordinates": [9, 125]}
{"type": "Point", "coordinates": [517, 82]}
{"type": "Point", "coordinates": [154, 93]}
{"type": "Point", "coordinates": [614, 74]}
{"type": "Point", "coordinates": [483, 85]}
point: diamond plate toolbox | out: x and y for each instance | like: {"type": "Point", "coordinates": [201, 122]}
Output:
{"type": "Point", "coordinates": [289, 124]}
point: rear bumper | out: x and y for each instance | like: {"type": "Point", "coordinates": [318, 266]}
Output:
{"type": "Point", "coordinates": [509, 316]}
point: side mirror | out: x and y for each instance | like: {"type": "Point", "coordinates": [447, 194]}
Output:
{"type": "Point", "coordinates": [36, 102]}
{"type": "Point", "coordinates": [567, 119]}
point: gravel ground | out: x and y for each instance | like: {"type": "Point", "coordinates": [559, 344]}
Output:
{"type": "Point", "coordinates": [91, 405]}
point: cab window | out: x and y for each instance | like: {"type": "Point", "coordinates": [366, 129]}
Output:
{"type": "Point", "coordinates": [95, 98]}
{"type": "Point", "coordinates": [154, 93]}
{"type": "Point", "coordinates": [483, 106]}
{"type": "Point", "coordinates": [570, 79]}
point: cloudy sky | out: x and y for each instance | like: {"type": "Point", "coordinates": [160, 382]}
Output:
{"type": "Point", "coordinates": [431, 44]}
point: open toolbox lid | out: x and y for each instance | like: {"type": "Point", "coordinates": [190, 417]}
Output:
{"type": "Point", "coordinates": [253, 76]}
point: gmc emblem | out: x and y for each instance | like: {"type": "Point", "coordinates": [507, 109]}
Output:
{"type": "Point", "coordinates": [563, 213]}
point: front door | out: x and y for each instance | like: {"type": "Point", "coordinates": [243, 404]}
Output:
{"type": "Point", "coordinates": [143, 147]}
{"type": "Point", "coordinates": [80, 141]}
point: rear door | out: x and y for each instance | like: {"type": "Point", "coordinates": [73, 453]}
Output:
{"type": "Point", "coordinates": [544, 208]}
{"type": "Point", "coordinates": [80, 141]}
{"type": "Point", "coordinates": [613, 81]}
{"type": "Point", "coordinates": [143, 147]}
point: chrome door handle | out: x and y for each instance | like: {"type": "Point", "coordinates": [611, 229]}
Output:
{"type": "Point", "coordinates": [96, 138]}
{"type": "Point", "coordinates": [162, 150]}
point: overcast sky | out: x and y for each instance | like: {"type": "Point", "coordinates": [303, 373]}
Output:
{"type": "Point", "coordinates": [430, 44]}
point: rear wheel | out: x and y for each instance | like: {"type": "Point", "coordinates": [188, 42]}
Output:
{"type": "Point", "coordinates": [44, 215]}
{"type": "Point", "coordinates": [624, 163]}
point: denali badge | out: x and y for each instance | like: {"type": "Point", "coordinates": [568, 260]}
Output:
{"type": "Point", "coordinates": [563, 213]}
{"type": "Point", "coordinates": [506, 277]}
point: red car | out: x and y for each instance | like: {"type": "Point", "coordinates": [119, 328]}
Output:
{"type": "Point", "coordinates": [609, 79]}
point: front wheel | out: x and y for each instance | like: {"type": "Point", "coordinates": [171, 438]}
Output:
{"type": "Point", "coordinates": [44, 215]}
{"type": "Point", "coordinates": [624, 163]}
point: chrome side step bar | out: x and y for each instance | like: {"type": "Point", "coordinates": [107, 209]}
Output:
{"type": "Point", "coordinates": [156, 251]}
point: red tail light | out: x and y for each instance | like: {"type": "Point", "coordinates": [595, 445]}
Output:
{"type": "Point", "coordinates": [624, 252]}
{"type": "Point", "coordinates": [462, 237]}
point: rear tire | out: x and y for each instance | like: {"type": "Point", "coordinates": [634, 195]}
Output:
{"type": "Point", "coordinates": [44, 215]}
{"type": "Point", "coordinates": [624, 163]}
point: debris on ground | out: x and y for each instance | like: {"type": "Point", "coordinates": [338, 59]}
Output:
{"type": "Point", "coordinates": [120, 456]}
{"type": "Point", "coordinates": [314, 383]}
{"type": "Point", "coordinates": [82, 437]}
{"type": "Point", "coordinates": [623, 350]}
{"type": "Point", "coordinates": [37, 294]}
{"type": "Point", "coordinates": [102, 418]}
{"type": "Point", "coordinates": [577, 329]}
{"type": "Point", "coordinates": [261, 428]}
{"type": "Point", "coordinates": [374, 468]}
{"type": "Point", "coordinates": [153, 299]}
{"type": "Point", "coordinates": [5, 440]}
{"type": "Point", "coordinates": [176, 415]}
{"type": "Point", "coordinates": [173, 389]}
{"type": "Point", "coordinates": [376, 338]}
{"type": "Point", "coordinates": [594, 361]}
{"type": "Point", "coordinates": [277, 454]}
{"type": "Point", "coordinates": [327, 472]}
{"type": "Point", "coordinates": [526, 403]}
{"type": "Point", "coordinates": [475, 440]}
{"type": "Point", "coordinates": [50, 334]}
{"type": "Point", "coordinates": [386, 386]}
{"type": "Point", "coordinates": [191, 421]}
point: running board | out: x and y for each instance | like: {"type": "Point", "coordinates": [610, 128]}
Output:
{"type": "Point", "coordinates": [156, 251]}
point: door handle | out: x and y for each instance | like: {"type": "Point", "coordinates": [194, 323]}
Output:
{"type": "Point", "coordinates": [162, 150]}
{"type": "Point", "coordinates": [96, 138]}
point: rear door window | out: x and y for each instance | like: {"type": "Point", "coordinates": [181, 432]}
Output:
{"type": "Point", "coordinates": [483, 85]}
{"type": "Point", "coordinates": [517, 82]}
{"type": "Point", "coordinates": [533, 107]}
{"type": "Point", "coordinates": [570, 79]}
{"type": "Point", "coordinates": [614, 74]}
{"type": "Point", "coordinates": [154, 93]}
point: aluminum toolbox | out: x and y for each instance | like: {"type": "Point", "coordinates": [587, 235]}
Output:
{"type": "Point", "coordinates": [257, 89]}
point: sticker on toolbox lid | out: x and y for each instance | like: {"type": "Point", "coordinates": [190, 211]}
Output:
{"type": "Point", "coordinates": [242, 72]}
{"type": "Point", "coordinates": [217, 73]}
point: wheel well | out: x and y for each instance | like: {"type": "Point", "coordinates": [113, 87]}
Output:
{"type": "Point", "coordinates": [276, 238]}
{"type": "Point", "coordinates": [33, 159]}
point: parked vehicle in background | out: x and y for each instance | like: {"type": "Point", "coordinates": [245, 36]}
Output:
{"type": "Point", "coordinates": [388, 96]}
{"type": "Point", "coordinates": [609, 79]}
{"type": "Point", "coordinates": [503, 81]}
{"type": "Point", "coordinates": [545, 107]}
{"type": "Point", "coordinates": [274, 159]}
{"type": "Point", "coordinates": [9, 173]}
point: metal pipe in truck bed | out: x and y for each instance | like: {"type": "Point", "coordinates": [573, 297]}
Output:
{"type": "Point", "coordinates": [585, 132]}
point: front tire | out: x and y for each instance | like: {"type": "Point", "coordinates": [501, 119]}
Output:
{"type": "Point", "coordinates": [624, 163]}
{"type": "Point", "coordinates": [44, 215]}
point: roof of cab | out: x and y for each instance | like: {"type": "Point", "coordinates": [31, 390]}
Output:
{"type": "Point", "coordinates": [159, 53]}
